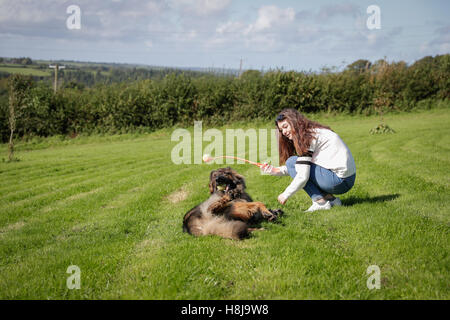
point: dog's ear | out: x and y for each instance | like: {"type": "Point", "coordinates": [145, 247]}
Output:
{"type": "Point", "coordinates": [239, 180]}
{"type": "Point", "coordinates": [212, 182]}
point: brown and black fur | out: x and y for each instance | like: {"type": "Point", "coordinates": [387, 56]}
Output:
{"type": "Point", "coordinates": [230, 211]}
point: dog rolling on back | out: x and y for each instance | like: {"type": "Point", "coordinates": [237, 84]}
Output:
{"type": "Point", "coordinates": [229, 212]}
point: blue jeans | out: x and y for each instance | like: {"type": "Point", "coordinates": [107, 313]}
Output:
{"type": "Point", "coordinates": [321, 181]}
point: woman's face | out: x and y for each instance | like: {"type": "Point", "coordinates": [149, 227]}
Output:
{"type": "Point", "coordinates": [285, 128]}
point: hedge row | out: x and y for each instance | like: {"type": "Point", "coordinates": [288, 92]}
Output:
{"type": "Point", "coordinates": [179, 99]}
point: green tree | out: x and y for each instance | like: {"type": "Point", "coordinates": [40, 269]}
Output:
{"type": "Point", "coordinates": [359, 66]}
{"type": "Point", "coordinates": [27, 61]}
{"type": "Point", "coordinates": [18, 87]}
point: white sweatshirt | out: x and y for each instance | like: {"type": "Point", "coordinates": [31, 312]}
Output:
{"type": "Point", "coordinates": [327, 150]}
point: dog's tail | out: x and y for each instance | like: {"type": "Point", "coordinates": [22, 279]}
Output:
{"type": "Point", "coordinates": [202, 226]}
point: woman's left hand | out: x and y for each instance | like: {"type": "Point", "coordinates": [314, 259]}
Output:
{"type": "Point", "coordinates": [282, 199]}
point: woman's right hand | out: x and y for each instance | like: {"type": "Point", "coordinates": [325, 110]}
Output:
{"type": "Point", "coordinates": [268, 169]}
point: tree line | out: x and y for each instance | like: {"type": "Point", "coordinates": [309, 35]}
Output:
{"type": "Point", "coordinates": [179, 98]}
{"type": "Point", "coordinates": [85, 74]}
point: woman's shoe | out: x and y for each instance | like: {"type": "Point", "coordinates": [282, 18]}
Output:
{"type": "Point", "coordinates": [336, 202]}
{"type": "Point", "coordinates": [316, 206]}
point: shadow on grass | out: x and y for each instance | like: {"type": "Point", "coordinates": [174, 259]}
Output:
{"type": "Point", "coordinates": [350, 201]}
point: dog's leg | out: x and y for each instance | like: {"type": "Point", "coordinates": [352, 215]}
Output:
{"type": "Point", "coordinates": [219, 206]}
{"type": "Point", "coordinates": [251, 212]}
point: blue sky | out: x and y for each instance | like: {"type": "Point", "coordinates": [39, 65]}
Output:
{"type": "Point", "coordinates": [288, 34]}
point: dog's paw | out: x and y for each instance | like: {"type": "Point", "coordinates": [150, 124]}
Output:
{"type": "Point", "coordinates": [277, 212]}
{"type": "Point", "coordinates": [234, 194]}
{"type": "Point", "coordinates": [227, 197]}
{"type": "Point", "coordinates": [270, 216]}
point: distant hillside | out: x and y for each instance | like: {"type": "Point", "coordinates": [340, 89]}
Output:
{"type": "Point", "coordinates": [78, 73]}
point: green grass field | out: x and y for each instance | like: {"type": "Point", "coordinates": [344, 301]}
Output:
{"type": "Point", "coordinates": [113, 206]}
{"type": "Point", "coordinates": [30, 71]}
{"type": "Point", "coordinates": [27, 71]}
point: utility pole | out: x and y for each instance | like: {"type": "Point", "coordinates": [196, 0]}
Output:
{"type": "Point", "coordinates": [57, 67]}
{"type": "Point", "coordinates": [240, 68]}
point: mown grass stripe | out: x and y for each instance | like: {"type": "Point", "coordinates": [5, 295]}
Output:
{"type": "Point", "coordinates": [39, 184]}
{"type": "Point", "coordinates": [46, 217]}
{"type": "Point", "coordinates": [51, 172]}
{"type": "Point", "coordinates": [87, 162]}
{"type": "Point", "coordinates": [65, 183]}
{"type": "Point", "coordinates": [46, 199]}
{"type": "Point", "coordinates": [67, 249]}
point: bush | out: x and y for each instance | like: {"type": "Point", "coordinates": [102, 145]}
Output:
{"type": "Point", "coordinates": [143, 105]}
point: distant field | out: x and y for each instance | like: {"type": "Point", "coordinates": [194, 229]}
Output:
{"type": "Point", "coordinates": [39, 72]}
{"type": "Point", "coordinates": [24, 71]}
{"type": "Point", "coordinates": [113, 206]}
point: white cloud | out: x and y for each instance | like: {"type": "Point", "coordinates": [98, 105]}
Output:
{"type": "Point", "coordinates": [231, 27]}
{"type": "Point", "coordinates": [200, 7]}
{"type": "Point", "coordinates": [26, 11]}
{"type": "Point", "coordinates": [270, 17]}
{"type": "Point", "coordinates": [100, 20]}
{"type": "Point", "coordinates": [264, 34]}
{"type": "Point", "coordinates": [342, 9]}
{"type": "Point", "coordinates": [439, 44]}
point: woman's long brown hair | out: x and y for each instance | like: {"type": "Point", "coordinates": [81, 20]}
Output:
{"type": "Point", "coordinates": [302, 134]}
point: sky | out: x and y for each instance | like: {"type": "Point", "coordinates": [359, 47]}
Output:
{"type": "Point", "coordinates": [266, 34]}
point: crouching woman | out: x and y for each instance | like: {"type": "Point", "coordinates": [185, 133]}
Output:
{"type": "Point", "coordinates": [315, 157]}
